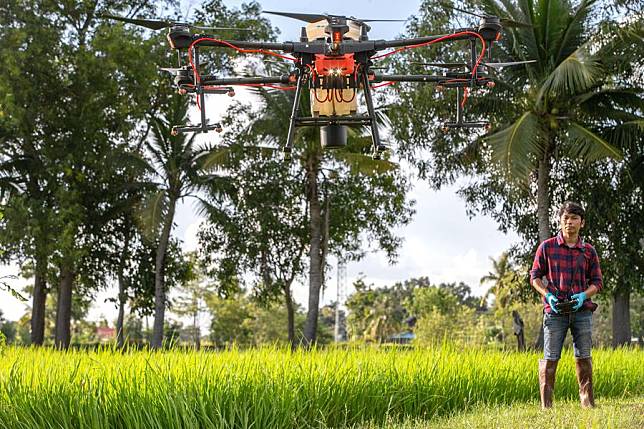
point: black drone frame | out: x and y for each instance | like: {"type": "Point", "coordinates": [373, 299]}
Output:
{"type": "Point", "coordinates": [335, 45]}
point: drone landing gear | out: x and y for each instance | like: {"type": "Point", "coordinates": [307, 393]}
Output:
{"type": "Point", "coordinates": [196, 128]}
{"type": "Point", "coordinates": [460, 123]}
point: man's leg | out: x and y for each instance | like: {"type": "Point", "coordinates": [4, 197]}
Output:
{"type": "Point", "coordinates": [581, 328]}
{"type": "Point", "coordinates": [554, 332]}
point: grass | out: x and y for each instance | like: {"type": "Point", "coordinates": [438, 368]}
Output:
{"type": "Point", "coordinates": [614, 413]}
{"type": "Point", "coordinates": [276, 388]}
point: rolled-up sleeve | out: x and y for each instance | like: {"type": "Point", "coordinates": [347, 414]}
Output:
{"type": "Point", "coordinates": [595, 271]}
{"type": "Point", "coordinates": [539, 265]}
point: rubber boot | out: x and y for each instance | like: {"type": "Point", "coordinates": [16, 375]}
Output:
{"type": "Point", "coordinates": [547, 371]}
{"type": "Point", "coordinates": [585, 378]}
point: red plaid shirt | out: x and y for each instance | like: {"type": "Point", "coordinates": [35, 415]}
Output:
{"type": "Point", "coordinates": [555, 263]}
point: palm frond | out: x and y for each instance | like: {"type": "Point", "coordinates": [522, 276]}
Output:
{"type": "Point", "coordinates": [577, 73]}
{"type": "Point", "coordinates": [217, 159]}
{"type": "Point", "coordinates": [153, 212]}
{"type": "Point", "coordinates": [626, 134]}
{"type": "Point", "coordinates": [516, 147]}
{"type": "Point", "coordinates": [573, 35]}
{"type": "Point", "coordinates": [587, 146]}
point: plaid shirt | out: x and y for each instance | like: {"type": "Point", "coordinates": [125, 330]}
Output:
{"type": "Point", "coordinates": [555, 263]}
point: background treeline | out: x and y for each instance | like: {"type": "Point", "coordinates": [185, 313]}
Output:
{"type": "Point", "coordinates": [90, 175]}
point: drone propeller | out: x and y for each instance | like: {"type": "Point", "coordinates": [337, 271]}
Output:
{"type": "Point", "coordinates": [506, 22]}
{"type": "Point", "coordinates": [492, 65]}
{"type": "Point", "coordinates": [315, 17]}
{"type": "Point", "coordinates": [157, 24]}
{"type": "Point", "coordinates": [442, 65]}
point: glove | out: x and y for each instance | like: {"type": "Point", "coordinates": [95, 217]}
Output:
{"type": "Point", "coordinates": [552, 300]}
{"type": "Point", "coordinates": [580, 298]}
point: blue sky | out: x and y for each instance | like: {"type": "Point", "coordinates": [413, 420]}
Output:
{"type": "Point", "coordinates": [441, 242]}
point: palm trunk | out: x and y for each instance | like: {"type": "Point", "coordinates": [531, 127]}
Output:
{"type": "Point", "coordinates": [39, 300]}
{"type": "Point", "coordinates": [159, 287]}
{"type": "Point", "coordinates": [543, 198]}
{"type": "Point", "coordinates": [290, 311]}
{"type": "Point", "coordinates": [315, 256]}
{"type": "Point", "coordinates": [621, 316]}
{"type": "Point", "coordinates": [195, 325]}
{"type": "Point", "coordinates": [122, 297]}
{"type": "Point", "coordinates": [64, 310]}
{"type": "Point", "coordinates": [543, 207]}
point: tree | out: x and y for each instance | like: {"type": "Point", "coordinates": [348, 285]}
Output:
{"type": "Point", "coordinates": [193, 296]}
{"type": "Point", "coordinates": [347, 196]}
{"type": "Point", "coordinates": [561, 110]}
{"type": "Point", "coordinates": [63, 134]}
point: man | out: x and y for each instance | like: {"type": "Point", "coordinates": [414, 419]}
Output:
{"type": "Point", "coordinates": [566, 268]}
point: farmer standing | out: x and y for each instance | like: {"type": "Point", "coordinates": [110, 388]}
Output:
{"type": "Point", "coordinates": [567, 268]}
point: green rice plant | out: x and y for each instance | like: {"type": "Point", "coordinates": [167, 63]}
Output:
{"type": "Point", "coordinates": [278, 388]}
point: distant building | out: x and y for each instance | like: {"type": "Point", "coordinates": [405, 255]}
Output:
{"type": "Point", "coordinates": [105, 333]}
{"type": "Point", "coordinates": [402, 338]}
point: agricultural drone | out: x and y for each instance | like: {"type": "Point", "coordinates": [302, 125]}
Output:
{"type": "Point", "coordinates": [334, 59]}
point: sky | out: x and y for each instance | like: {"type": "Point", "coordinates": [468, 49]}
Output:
{"type": "Point", "coordinates": [441, 243]}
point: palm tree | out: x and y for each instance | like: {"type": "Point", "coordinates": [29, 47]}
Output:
{"type": "Point", "coordinates": [556, 98]}
{"type": "Point", "coordinates": [175, 162]}
{"type": "Point", "coordinates": [313, 163]}
{"type": "Point", "coordinates": [501, 268]}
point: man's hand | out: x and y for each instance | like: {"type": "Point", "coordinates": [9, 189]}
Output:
{"type": "Point", "coordinates": [580, 298]}
{"type": "Point", "coordinates": [552, 301]}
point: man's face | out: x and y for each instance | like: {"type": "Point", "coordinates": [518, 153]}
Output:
{"type": "Point", "coordinates": [571, 223]}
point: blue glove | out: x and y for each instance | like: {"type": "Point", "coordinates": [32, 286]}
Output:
{"type": "Point", "coordinates": [552, 300]}
{"type": "Point", "coordinates": [580, 297]}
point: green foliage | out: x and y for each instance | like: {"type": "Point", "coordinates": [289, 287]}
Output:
{"type": "Point", "coordinates": [272, 387]}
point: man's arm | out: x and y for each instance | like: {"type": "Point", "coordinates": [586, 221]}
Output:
{"type": "Point", "coordinates": [538, 270]}
{"type": "Point", "coordinates": [539, 287]}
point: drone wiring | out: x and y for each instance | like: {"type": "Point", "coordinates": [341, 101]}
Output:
{"type": "Point", "coordinates": [441, 39]}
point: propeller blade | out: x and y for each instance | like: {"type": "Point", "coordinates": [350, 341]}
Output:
{"type": "Point", "coordinates": [157, 24]}
{"type": "Point", "coordinates": [467, 12]}
{"type": "Point", "coordinates": [377, 20]}
{"type": "Point", "coordinates": [313, 17]}
{"type": "Point", "coordinates": [443, 65]}
{"type": "Point", "coordinates": [152, 24]}
{"type": "Point", "coordinates": [514, 63]}
{"type": "Point", "coordinates": [307, 17]}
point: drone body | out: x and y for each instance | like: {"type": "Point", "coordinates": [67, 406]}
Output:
{"type": "Point", "coordinates": [333, 60]}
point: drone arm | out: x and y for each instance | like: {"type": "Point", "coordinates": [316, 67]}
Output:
{"type": "Point", "coordinates": [213, 80]}
{"type": "Point", "coordinates": [407, 78]}
{"type": "Point", "coordinates": [212, 41]}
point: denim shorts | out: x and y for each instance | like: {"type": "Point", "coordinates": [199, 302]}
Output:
{"type": "Point", "coordinates": [555, 327]}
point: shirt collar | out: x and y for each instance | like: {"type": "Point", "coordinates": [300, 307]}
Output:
{"type": "Point", "coordinates": [562, 242]}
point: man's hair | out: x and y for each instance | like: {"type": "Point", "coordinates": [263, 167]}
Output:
{"type": "Point", "coordinates": [573, 208]}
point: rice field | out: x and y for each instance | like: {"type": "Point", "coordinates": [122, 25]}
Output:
{"type": "Point", "coordinates": [277, 388]}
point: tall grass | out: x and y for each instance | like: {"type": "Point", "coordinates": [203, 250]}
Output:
{"type": "Point", "coordinates": [276, 388]}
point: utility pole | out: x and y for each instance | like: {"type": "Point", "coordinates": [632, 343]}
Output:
{"type": "Point", "coordinates": [340, 295]}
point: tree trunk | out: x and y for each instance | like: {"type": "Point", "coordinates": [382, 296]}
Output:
{"type": "Point", "coordinates": [195, 325]}
{"type": "Point", "coordinates": [543, 198]}
{"type": "Point", "coordinates": [315, 256]}
{"type": "Point", "coordinates": [543, 217]}
{"type": "Point", "coordinates": [39, 300]}
{"type": "Point", "coordinates": [159, 287]}
{"type": "Point", "coordinates": [621, 316]}
{"type": "Point", "coordinates": [64, 310]}
{"type": "Point", "coordinates": [290, 311]}
{"type": "Point", "coordinates": [122, 297]}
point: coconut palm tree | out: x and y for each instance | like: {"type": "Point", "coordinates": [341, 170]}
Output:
{"type": "Point", "coordinates": [176, 165]}
{"type": "Point", "coordinates": [557, 98]}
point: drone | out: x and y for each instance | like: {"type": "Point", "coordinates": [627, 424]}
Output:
{"type": "Point", "coordinates": [334, 59]}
